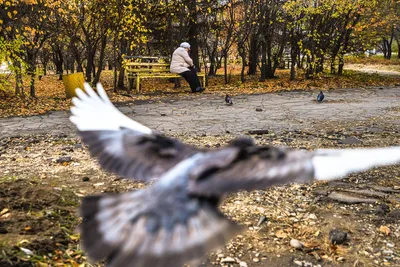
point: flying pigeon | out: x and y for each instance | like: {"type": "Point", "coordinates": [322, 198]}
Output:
{"type": "Point", "coordinates": [176, 219]}
{"type": "Point", "coordinates": [228, 100]}
{"type": "Point", "coordinates": [320, 97]}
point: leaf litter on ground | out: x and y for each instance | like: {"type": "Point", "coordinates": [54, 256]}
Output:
{"type": "Point", "coordinates": [44, 195]}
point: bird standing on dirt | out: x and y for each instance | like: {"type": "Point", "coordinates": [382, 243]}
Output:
{"type": "Point", "coordinates": [228, 100]}
{"type": "Point", "coordinates": [176, 220]}
{"type": "Point", "coordinates": [320, 97]}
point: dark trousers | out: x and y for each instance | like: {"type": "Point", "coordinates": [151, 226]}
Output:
{"type": "Point", "coordinates": [191, 77]}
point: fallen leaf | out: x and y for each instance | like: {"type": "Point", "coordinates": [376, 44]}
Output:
{"type": "Point", "coordinates": [384, 229]}
{"type": "Point", "coordinates": [4, 211]}
{"type": "Point", "coordinates": [281, 234]}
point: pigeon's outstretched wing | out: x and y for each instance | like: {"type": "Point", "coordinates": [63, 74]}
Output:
{"type": "Point", "coordinates": [251, 167]}
{"type": "Point", "coordinates": [122, 145]}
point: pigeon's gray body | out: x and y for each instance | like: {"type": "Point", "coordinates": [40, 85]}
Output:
{"type": "Point", "coordinates": [176, 219]}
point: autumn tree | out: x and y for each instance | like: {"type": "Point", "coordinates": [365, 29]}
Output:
{"type": "Point", "coordinates": [31, 22]}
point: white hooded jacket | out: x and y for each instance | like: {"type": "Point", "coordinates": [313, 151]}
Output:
{"type": "Point", "coordinates": [180, 61]}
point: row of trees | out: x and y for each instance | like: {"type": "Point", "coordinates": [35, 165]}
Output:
{"type": "Point", "coordinates": [87, 35]}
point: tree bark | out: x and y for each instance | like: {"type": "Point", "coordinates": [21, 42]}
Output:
{"type": "Point", "coordinates": [225, 55]}
{"type": "Point", "coordinates": [263, 61]}
{"type": "Point", "coordinates": [293, 55]}
{"type": "Point", "coordinates": [193, 32]}
{"type": "Point", "coordinates": [398, 47]}
{"type": "Point", "coordinates": [242, 54]}
{"type": "Point", "coordinates": [121, 70]}
{"type": "Point", "coordinates": [31, 70]}
{"type": "Point", "coordinates": [101, 59]}
{"type": "Point", "coordinates": [253, 56]}
{"type": "Point", "coordinates": [58, 60]}
{"type": "Point", "coordinates": [115, 63]}
{"type": "Point", "coordinates": [90, 63]}
{"type": "Point", "coordinates": [19, 87]}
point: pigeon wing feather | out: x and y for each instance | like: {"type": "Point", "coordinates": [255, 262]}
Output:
{"type": "Point", "coordinates": [122, 145]}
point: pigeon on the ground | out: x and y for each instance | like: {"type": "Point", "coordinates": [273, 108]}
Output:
{"type": "Point", "coordinates": [228, 100]}
{"type": "Point", "coordinates": [176, 220]}
{"type": "Point", "coordinates": [320, 97]}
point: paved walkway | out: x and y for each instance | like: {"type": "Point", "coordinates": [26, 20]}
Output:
{"type": "Point", "coordinates": [208, 114]}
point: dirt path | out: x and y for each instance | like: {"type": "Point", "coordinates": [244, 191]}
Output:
{"type": "Point", "coordinates": [205, 114]}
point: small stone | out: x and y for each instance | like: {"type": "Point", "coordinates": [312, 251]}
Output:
{"type": "Point", "coordinates": [312, 216]}
{"type": "Point", "coordinates": [220, 255]}
{"type": "Point", "coordinates": [387, 252]}
{"type": "Point", "coordinates": [27, 251]}
{"type": "Point", "coordinates": [64, 159]}
{"type": "Point", "coordinates": [296, 244]}
{"type": "Point", "coordinates": [298, 263]}
{"type": "Point", "coordinates": [395, 214]}
{"type": "Point", "coordinates": [242, 264]}
{"type": "Point", "coordinates": [390, 245]}
{"type": "Point", "coordinates": [85, 179]}
{"type": "Point", "coordinates": [382, 209]}
{"type": "Point", "coordinates": [337, 236]}
{"type": "Point", "coordinates": [256, 259]}
{"type": "Point", "coordinates": [340, 259]}
{"type": "Point", "coordinates": [350, 141]}
{"type": "Point", "coordinates": [228, 260]}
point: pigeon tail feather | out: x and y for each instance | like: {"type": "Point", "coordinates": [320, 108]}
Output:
{"type": "Point", "coordinates": [95, 112]}
{"type": "Point", "coordinates": [332, 164]}
{"type": "Point", "coordinates": [143, 228]}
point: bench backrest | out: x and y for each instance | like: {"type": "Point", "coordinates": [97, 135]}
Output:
{"type": "Point", "coordinates": [146, 67]}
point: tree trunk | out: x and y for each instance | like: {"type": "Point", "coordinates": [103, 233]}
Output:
{"type": "Point", "coordinates": [31, 70]}
{"type": "Point", "coordinates": [58, 61]}
{"type": "Point", "coordinates": [32, 85]}
{"type": "Point", "coordinates": [269, 69]}
{"type": "Point", "coordinates": [398, 47]}
{"type": "Point", "coordinates": [263, 61]}
{"type": "Point", "coordinates": [90, 64]}
{"type": "Point", "coordinates": [212, 71]}
{"type": "Point", "coordinates": [341, 64]}
{"type": "Point", "coordinates": [121, 70]}
{"type": "Point", "coordinates": [193, 32]}
{"type": "Point", "coordinates": [45, 69]}
{"type": "Point", "coordinates": [115, 63]}
{"type": "Point", "coordinates": [253, 56]}
{"type": "Point", "coordinates": [242, 54]}
{"type": "Point", "coordinates": [293, 55]}
{"type": "Point", "coordinates": [19, 87]}
{"type": "Point", "coordinates": [101, 59]}
{"type": "Point", "coordinates": [225, 55]}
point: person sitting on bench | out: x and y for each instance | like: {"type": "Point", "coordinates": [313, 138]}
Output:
{"type": "Point", "coordinates": [182, 64]}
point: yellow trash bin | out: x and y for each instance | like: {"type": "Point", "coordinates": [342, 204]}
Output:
{"type": "Point", "coordinates": [71, 82]}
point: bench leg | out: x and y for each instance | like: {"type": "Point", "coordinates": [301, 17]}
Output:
{"type": "Point", "coordinates": [137, 85]}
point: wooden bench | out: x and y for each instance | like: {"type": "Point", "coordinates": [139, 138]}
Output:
{"type": "Point", "coordinates": [143, 70]}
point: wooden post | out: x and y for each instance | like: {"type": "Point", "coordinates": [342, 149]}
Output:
{"type": "Point", "coordinates": [137, 84]}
